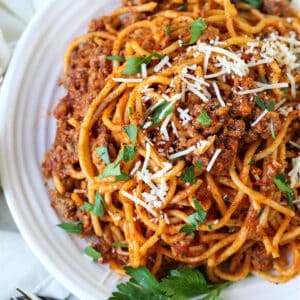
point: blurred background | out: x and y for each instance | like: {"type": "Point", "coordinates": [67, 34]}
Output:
{"type": "Point", "coordinates": [19, 268]}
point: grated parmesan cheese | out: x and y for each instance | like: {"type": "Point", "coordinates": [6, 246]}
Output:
{"type": "Point", "coordinates": [264, 87]}
{"type": "Point", "coordinates": [184, 115]}
{"type": "Point", "coordinates": [144, 70]}
{"type": "Point", "coordinates": [161, 64]}
{"type": "Point", "coordinates": [138, 201]}
{"type": "Point", "coordinates": [218, 94]}
{"type": "Point", "coordinates": [182, 153]}
{"type": "Point", "coordinates": [213, 160]}
{"type": "Point", "coordinates": [135, 168]}
{"type": "Point", "coordinates": [294, 144]}
{"type": "Point", "coordinates": [295, 173]}
{"type": "Point", "coordinates": [261, 116]}
{"type": "Point", "coordinates": [174, 129]}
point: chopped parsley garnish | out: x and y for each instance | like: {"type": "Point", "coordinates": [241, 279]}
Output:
{"type": "Point", "coordinates": [255, 3]}
{"type": "Point", "coordinates": [132, 132]}
{"type": "Point", "coordinates": [71, 227]}
{"type": "Point", "coordinates": [252, 162]}
{"type": "Point", "coordinates": [200, 212]}
{"type": "Point", "coordinates": [272, 129]}
{"type": "Point", "coordinates": [112, 169]}
{"type": "Point", "coordinates": [194, 219]}
{"type": "Point", "coordinates": [122, 177]}
{"type": "Point", "coordinates": [204, 119]}
{"type": "Point", "coordinates": [189, 228]}
{"type": "Point", "coordinates": [199, 165]}
{"type": "Point", "coordinates": [286, 91]}
{"type": "Point", "coordinates": [270, 106]}
{"type": "Point", "coordinates": [133, 65]}
{"type": "Point", "coordinates": [87, 206]}
{"type": "Point", "coordinates": [262, 106]}
{"type": "Point", "coordinates": [197, 28]}
{"type": "Point", "coordinates": [129, 110]}
{"type": "Point", "coordinates": [161, 112]}
{"type": "Point", "coordinates": [120, 244]}
{"type": "Point", "coordinates": [260, 103]}
{"type": "Point", "coordinates": [93, 253]}
{"type": "Point", "coordinates": [128, 153]}
{"type": "Point", "coordinates": [281, 182]}
{"type": "Point", "coordinates": [168, 30]}
{"type": "Point", "coordinates": [183, 283]}
{"type": "Point", "coordinates": [183, 7]}
{"type": "Point", "coordinates": [99, 207]}
{"type": "Point", "coordinates": [189, 175]}
{"type": "Point", "coordinates": [116, 57]}
{"type": "Point", "coordinates": [263, 79]}
{"type": "Point", "coordinates": [209, 227]}
{"type": "Point", "coordinates": [103, 153]}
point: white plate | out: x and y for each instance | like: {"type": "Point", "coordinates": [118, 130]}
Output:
{"type": "Point", "coordinates": [29, 93]}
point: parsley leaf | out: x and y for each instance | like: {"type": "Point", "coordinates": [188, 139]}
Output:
{"type": "Point", "coordinates": [161, 112]}
{"type": "Point", "coordinates": [122, 177]}
{"type": "Point", "coordinates": [255, 3]}
{"type": "Point", "coordinates": [204, 119]}
{"type": "Point", "coordinates": [168, 30]}
{"type": "Point", "coordinates": [87, 206]}
{"type": "Point", "coordinates": [270, 106]}
{"type": "Point", "coordinates": [195, 219]}
{"type": "Point", "coordinates": [184, 282]}
{"type": "Point", "coordinates": [116, 57]}
{"type": "Point", "coordinates": [98, 209]}
{"type": "Point", "coordinates": [112, 169]}
{"type": "Point", "coordinates": [260, 103]}
{"type": "Point", "coordinates": [263, 79]}
{"type": "Point", "coordinates": [143, 277]}
{"type": "Point", "coordinates": [132, 132]}
{"type": "Point", "coordinates": [128, 153]}
{"type": "Point", "coordinates": [200, 212]}
{"type": "Point", "coordinates": [197, 28]}
{"type": "Point", "coordinates": [103, 153]}
{"type": "Point", "coordinates": [199, 165]}
{"type": "Point", "coordinates": [180, 284]}
{"type": "Point", "coordinates": [286, 91]}
{"type": "Point", "coordinates": [71, 227]}
{"type": "Point", "coordinates": [189, 228]}
{"type": "Point", "coordinates": [280, 181]}
{"type": "Point", "coordinates": [129, 110]}
{"type": "Point", "coordinates": [189, 175]}
{"type": "Point", "coordinates": [252, 162]}
{"type": "Point", "coordinates": [182, 7]}
{"type": "Point", "coordinates": [133, 65]}
{"type": "Point", "coordinates": [93, 253]}
{"type": "Point", "coordinates": [120, 245]}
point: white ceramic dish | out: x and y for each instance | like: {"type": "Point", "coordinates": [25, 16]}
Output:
{"type": "Point", "coordinates": [27, 130]}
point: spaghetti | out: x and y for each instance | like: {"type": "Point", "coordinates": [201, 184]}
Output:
{"type": "Point", "coordinates": [178, 140]}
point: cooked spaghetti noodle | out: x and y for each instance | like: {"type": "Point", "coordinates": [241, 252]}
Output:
{"type": "Point", "coordinates": [181, 123]}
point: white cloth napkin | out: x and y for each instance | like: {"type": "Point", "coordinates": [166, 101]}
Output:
{"type": "Point", "coordinates": [19, 268]}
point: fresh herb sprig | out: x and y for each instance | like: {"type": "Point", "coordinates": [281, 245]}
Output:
{"type": "Point", "coordinates": [180, 284]}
